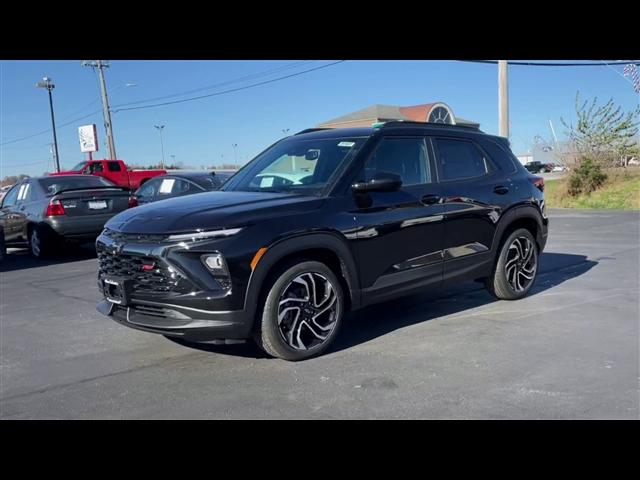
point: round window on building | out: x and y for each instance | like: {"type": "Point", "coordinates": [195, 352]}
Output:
{"type": "Point", "coordinates": [440, 115]}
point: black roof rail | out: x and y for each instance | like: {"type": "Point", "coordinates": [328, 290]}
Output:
{"type": "Point", "coordinates": [402, 123]}
{"type": "Point", "coordinates": [309, 130]}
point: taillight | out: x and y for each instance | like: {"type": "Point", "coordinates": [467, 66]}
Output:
{"type": "Point", "coordinates": [538, 182]}
{"type": "Point", "coordinates": [133, 202]}
{"type": "Point", "coordinates": [54, 208]}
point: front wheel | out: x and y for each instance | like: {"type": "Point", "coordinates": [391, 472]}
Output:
{"type": "Point", "coordinates": [302, 312]}
{"type": "Point", "coordinates": [516, 268]}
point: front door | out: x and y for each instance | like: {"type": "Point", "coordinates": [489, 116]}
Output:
{"type": "Point", "coordinates": [399, 235]}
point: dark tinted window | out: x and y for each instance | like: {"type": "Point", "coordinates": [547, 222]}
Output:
{"type": "Point", "coordinates": [406, 157]}
{"type": "Point", "coordinates": [148, 189]}
{"type": "Point", "coordinates": [460, 159]}
{"type": "Point", "coordinates": [51, 185]}
{"type": "Point", "coordinates": [113, 167]}
{"type": "Point", "coordinates": [95, 167]}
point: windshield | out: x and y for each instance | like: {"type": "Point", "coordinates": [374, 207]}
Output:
{"type": "Point", "coordinates": [295, 166]}
{"type": "Point", "coordinates": [51, 185]}
{"type": "Point", "coordinates": [78, 167]}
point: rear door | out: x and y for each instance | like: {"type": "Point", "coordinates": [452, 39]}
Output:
{"type": "Point", "coordinates": [469, 182]}
{"type": "Point", "coordinates": [399, 235]}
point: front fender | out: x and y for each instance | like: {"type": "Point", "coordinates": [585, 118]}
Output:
{"type": "Point", "coordinates": [289, 245]}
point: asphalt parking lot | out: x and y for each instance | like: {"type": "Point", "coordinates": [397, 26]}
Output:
{"type": "Point", "coordinates": [570, 350]}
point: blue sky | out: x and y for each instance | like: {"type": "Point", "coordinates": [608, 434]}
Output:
{"type": "Point", "coordinates": [202, 132]}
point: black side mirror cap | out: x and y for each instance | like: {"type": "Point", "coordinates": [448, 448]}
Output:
{"type": "Point", "coordinates": [382, 182]}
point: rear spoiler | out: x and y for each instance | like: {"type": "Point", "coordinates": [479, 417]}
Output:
{"type": "Point", "coordinates": [115, 187]}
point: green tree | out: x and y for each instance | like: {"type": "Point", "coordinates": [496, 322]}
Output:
{"type": "Point", "coordinates": [603, 133]}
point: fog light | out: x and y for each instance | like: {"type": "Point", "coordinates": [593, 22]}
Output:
{"type": "Point", "coordinates": [216, 264]}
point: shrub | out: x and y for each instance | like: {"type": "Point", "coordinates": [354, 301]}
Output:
{"type": "Point", "coordinates": [586, 178]}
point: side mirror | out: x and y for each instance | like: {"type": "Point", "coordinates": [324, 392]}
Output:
{"type": "Point", "coordinates": [381, 182]}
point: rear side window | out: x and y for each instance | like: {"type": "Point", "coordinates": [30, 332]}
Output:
{"type": "Point", "coordinates": [113, 167]}
{"type": "Point", "coordinates": [460, 159]}
{"type": "Point", "coordinates": [11, 197]}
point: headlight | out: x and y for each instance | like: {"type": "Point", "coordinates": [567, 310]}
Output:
{"type": "Point", "coordinates": [199, 235]}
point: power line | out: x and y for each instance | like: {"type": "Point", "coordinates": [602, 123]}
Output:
{"type": "Point", "coordinates": [230, 90]}
{"type": "Point", "coordinates": [48, 130]}
{"type": "Point", "coordinates": [227, 82]}
{"type": "Point", "coordinates": [553, 64]}
{"type": "Point", "coordinates": [254, 75]}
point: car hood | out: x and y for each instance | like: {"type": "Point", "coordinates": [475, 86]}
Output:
{"type": "Point", "coordinates": [211, 210]}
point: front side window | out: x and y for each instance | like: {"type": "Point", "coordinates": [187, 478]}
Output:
{"type": "Point", "coordinates": [295, 166]}
{"type": "Point", "coordinates": [406, 157]}
{"type": "Point", "coordinates": [95, 167]}
{"type": "Point", "coordinates": [460, 159]}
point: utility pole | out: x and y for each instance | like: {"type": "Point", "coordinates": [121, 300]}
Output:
{"type": "Point", "coordinates": [160, 128]}
{"type": "Point", "coordinates": [48, 84]}
{"type": "Point", "coordinates": [101, 65]}
{"type": "Point", "coordinates": [503, 99]}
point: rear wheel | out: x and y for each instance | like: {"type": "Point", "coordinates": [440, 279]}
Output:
{"type": "Point", "coordinates": [41, 242]}
{"type": "Point", "coordinates": [516, 268]}
{"type": "Point", "coordinates": [3, 246]}
{"type": "Point", "coordinates": [302, 312]}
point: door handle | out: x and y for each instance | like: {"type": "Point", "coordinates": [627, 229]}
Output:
{"type": "Point", "coordinates": [501, 189]}
{"type": "Point", "coordinates": [429, 199]}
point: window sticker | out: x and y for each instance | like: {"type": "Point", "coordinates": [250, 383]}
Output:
{"type": "Point", "coordinates": [167, 185]}
{"type": "Point", "coordinates": [346, 144]}
{"type": "Point", "coordinates": [266, 182]}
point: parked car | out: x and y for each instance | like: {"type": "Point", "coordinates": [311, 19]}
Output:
{"type": "Point", "coordinates": [403, 208]}
{"type": "Point", "coordinates": [116, 171]}
{"type": "Point", "coordinates": [180, 184]}
{"type": "Point", "coordinates": [538, 167]}
{"type": "Point", "coordinates": [40, 212]}
{"type": "Point", "coordinates": [559, 168]}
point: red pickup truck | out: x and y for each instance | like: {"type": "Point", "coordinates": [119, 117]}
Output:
{"type": "Point", "coordinates": [115, 171]}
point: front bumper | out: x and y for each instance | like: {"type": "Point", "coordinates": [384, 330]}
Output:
{"type": "Point", "coordinates": [176, 321]}
{"type": "Point", "coordinates": [168, 290]}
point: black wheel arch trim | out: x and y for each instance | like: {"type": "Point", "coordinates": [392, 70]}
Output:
{"type": "Point", "coordinates": [518, 212]}
{"type": "Point", "coordinates": [292, 244]}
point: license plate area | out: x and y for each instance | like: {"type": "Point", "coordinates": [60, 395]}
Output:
{"type": "Point", "coordinates": [117, 290]}
{"type": "Point", "coordinates": [97, 204]}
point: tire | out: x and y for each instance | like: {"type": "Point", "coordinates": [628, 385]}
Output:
{"type": "Point", "coordinates": [42, 242]}
{"type": "Point", "coordinates": [3, 247]}
{"type": "Point", "coordinates": [516, 267]}
{"type": "Point", "coordinates": [310, 318]}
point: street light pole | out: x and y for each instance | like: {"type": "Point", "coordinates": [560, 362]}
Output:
{"type": "Point", "coordinates": [160, 128]}
{"type": "Point", "coordinates": [503, 99]}
{"type": "Point", "coordinates": [235, 155]}
{"type": "Point", "coordinates": [48, 84]}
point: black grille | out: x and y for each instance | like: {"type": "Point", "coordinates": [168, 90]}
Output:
{"type": "Point", "coordinates": [133, 237]}
{"type": "Point", "coordinates": [149, 274]}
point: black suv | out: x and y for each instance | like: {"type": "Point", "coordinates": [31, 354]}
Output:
{"type": "Point", "coordinates": [320, 223]}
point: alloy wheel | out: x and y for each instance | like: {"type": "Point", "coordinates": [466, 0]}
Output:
{"type": "Point", "coordinates": [307, 311]}
{"type": "Point", "coordinates": [520, 267]}
{"type": "Point", "coordinates": [34, 242]}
